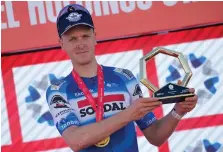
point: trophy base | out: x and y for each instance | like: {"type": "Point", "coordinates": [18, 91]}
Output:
{"type": "Point", "coordinates": [172, 93]}
{"type": "Point", "coordinates": [175, 99]}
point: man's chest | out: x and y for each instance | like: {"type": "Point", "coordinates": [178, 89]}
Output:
{"type": "Point", "coordinates": [116, 98]}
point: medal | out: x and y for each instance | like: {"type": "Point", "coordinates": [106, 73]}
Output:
{"type": "Point", "coordinates": [103, 143]}
{"type": "Point", "coordinates": [98, 105]}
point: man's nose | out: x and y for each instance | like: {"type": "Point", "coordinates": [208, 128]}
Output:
{"type": "Point", "coordinates": [81, 46]}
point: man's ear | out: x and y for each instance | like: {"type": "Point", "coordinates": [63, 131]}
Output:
{"type": "Point", "coordinates": [60, 40]}
{"type": "Point", "coordinates": [95, 37]}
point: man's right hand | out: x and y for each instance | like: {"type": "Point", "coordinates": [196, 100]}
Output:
{"type": "Point", "coordinates": [141, 107]}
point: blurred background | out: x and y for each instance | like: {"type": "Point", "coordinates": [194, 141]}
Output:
{"type": "Point", "coordinates": [31, 60]}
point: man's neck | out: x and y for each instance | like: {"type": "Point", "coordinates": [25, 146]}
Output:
{"type": "Point", "coordinates": [86, 70]}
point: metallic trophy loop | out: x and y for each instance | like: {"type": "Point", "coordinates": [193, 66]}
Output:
{"type": "Point", "coordinates": [167, 94]}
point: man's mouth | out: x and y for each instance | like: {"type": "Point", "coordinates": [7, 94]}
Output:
{"type": "Point", "coordinates": [81, 52]}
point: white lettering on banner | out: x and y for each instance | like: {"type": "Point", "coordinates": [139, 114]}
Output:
{"type": "Point", "coordinates": [36, 7]}
{"type": "Point", "coordinates": [51, 15]}
{"type": "Point", "coordinates": [127, 6]}
{"type": "Point", "coordinates": [10, 16]}
{"type": "Point", "coordinates": [42, 12]}
{"type": "Point", "coordinates": [65, 3]}
{"type": "Point", "coordinates": [3, 25]}
{"type": "Point", "coordinates": [80, 2]}
{"type": "Point", "coordinates": [113, 6]}
{"type": "Point", "coordinates": [97, 8]}
{"type": "Point", "coordinates": [172, 3]}
{"type": "Point", "coordinates": [169, 3]}
{"type": "Point", "coordinates": [88, 5]}
{"type": "Point", "coordinates": [12, 23]}
{"type": "Point", "coordinates": [188, 2]}
{"type": "Point", "coordinates": [103, 8]}
{"type": "Point", "coordinates": [144, 5]}
{"type": "Point", "coordinates": [36, 10]}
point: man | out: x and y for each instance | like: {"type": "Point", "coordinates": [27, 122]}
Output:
{"type": "Point", "coordinates": [94, 107]}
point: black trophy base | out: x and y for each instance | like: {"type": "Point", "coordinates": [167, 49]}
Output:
{"type": "Point", "coordinates": [172, 93]}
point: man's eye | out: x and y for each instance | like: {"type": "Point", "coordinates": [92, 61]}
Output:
{"type": "Point", "coordinates": [71, 39]}
{"type": "Point", "coordinates": [86, 36]}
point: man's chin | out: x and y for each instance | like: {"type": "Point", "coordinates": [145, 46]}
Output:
{"type": "Point", "coordinates": [84, 62]}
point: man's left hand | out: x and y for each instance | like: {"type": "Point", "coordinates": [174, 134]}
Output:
{"type": "Point", "coordinates": [186, 106]}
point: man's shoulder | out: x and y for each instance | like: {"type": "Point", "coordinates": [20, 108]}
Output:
{"type": "Point", "coordinates": [58, 86]}
{"type": "Point", "coordinates": [119, 71]}
{"type": "Point", "coordinates": [124, 73]}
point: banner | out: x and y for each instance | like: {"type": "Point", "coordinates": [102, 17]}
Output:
{"type": "Point", "coordinates": [27, 124]}
{"type": "Point", "coordinates": [31, 25]}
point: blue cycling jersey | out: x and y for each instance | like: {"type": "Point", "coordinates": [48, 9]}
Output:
{"type": "Point", "coordinates": [69, 107]}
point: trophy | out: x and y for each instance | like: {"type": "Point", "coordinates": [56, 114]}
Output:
{"type": "Point", "coordinates": [170, 93]}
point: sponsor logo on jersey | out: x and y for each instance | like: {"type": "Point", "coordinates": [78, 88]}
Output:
{"type": "Point", "coordinates": [107, 107]}
{"type": "Point", "coordinates": [64, 112]}
{"type": "Point", "coordinates": [54, 87]}
{"type": "Point", "coordinates": [109, 85]}
{"type": "Point", "coordinates": [77, 94]}
{"type": "Point", "coordinates": [137, 91]}
{"type": "Point", "coordinates": [112, 102]}
{"type": "Point", "coordinates": [59, 102]}
{"type": "Point", "coordinates": [128, 74]}
{"type": "Point", "coordinates": [57, 85]}
{"type": "Point", "coordinates": [69, 123]}
{"type": "Point", "coordinates": [151, 121]}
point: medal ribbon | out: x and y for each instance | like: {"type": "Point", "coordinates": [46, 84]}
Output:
{"type": "Point", "coordinates": [98, 104]}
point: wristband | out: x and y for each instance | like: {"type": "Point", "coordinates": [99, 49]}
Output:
{"type": "Point", "coordinates": [175, 114]}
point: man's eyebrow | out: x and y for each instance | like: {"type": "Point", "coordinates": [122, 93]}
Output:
{"type": "Point", "coordinates": [73, 36]}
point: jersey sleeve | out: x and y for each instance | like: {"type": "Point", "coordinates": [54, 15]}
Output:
{"type": "Point", "coordinates": [135, 92]}
{"type": "Point", "coordinates": [60, 109]}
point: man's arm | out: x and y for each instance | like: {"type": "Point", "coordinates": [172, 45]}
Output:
{"type": "Point", "coordinates": [81, 137]}
{"type": "Point", "coordinates": [161, 130]}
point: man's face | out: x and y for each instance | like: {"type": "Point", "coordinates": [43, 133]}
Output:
{"type": "Point", "coordinates": [79, 43]}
